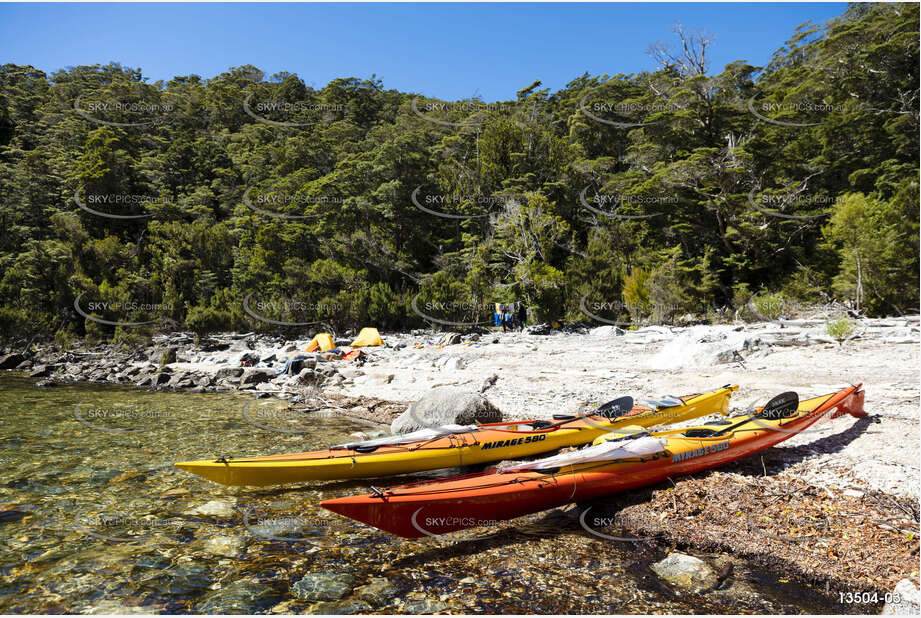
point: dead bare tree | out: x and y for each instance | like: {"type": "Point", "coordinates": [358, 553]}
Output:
{"type": "Point", "coordinates": [692, 59]}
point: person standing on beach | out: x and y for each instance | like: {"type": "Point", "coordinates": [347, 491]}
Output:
{"type": "Point", "coordinates": [522, 316]}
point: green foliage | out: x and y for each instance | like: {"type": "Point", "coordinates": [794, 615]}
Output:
{"type": "Point", "coordinates": [688, 206]}
{"type": "Point", "coordinates": [877, 254]}
{"type": "Point", "coordinates": [839, 329]}
{"type": "Point", "coordinates": [636, 293]}
{"type": "Point", "coordinates": [769, 306]}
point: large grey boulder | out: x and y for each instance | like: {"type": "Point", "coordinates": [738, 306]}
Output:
{"type": "Point", "coordinates": [686, 572]}
{"type": "Point", "coordinates": [444, 406]}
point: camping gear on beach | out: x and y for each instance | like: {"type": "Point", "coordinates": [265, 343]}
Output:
{"type": "Point", "coordinates": [367, 337]}
{"type": "Point", "coordinates": [616, 462]}
{"type": "Point", "coordinates": [322, 342]}
{"type": "Point", "coordinates": [445, 447]}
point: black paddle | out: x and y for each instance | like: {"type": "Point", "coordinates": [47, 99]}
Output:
{"type": "Point", "coordinates": [612, 409]}
{"type": "Point", "coordinates": [778, 408]}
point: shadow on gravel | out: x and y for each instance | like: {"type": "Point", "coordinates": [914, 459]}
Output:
{"type": "Point", "coordinates": [779, 458]}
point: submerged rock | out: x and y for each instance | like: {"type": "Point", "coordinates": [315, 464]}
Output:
{"type": "Point", "coordinates": [239, 597]}
{"type": "Point", "coordinates": [227, 546]}
{"type": "Point", "coordinates": [327, 608]}
{"type": "Point", "coordinates": [322, 586]}
{"type": "Point", "coordinates": [378, 591]}
{"type": "Point", "coordinates": [687, 572]}
{"type": "Point", "coordinates": [425, 606]}
{"type": "Point", "coordinates": [444, 406]}
{"type": "Point", "coordinates": [112, 606]}
{"type": "Point", "coordinates": [215, 508]}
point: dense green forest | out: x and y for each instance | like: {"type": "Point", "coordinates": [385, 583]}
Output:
{"type": "Point", "coordinates": [198, 204]}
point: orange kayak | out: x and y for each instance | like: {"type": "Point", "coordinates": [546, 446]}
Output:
{"type": "Point", "coordinates": [433, 508]}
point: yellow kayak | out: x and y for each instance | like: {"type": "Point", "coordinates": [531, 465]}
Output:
{"type": "Point", "coordinates": [453, 446]}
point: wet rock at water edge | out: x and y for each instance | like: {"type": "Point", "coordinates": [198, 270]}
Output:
{"type": "Point", "coordinates": [43, 371]}
{"type": "Point", "coordinates": [223, 509]}
{"type": "Point", "coordinates": [239, 597]}
{"type": "Point", "coordinates": [686, 572]}
{"type": "Point", "coordinates": [322, 586]}
{"type": "Point", "coordinates": [378, 591]}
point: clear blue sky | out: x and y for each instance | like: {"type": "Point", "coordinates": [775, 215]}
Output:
{"type": "Point", "coordinates": [450, 51]}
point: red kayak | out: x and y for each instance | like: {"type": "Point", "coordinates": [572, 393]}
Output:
{"type": "Point", "coordinates": [614, 464]}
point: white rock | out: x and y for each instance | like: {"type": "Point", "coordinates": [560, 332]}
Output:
{"type": "Point", "coordinates": [909, 600]}
{"type": "Point", "coordinates": [215, 508]}
{"type": "Point", "coordinates": [454, 363]}
{"type": "Point", "coordinates": [603, 332]}
{"type": "Point", "coordinates": [228, 546]}
{"type": "Point", "coordinates": [686, 572]}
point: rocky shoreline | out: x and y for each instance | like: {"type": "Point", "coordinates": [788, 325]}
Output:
{"type": "Point", "coordinates": [775, 511]}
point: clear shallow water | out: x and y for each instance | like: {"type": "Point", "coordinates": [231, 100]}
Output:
{"type": "Point", "coordinates": [95, 518]}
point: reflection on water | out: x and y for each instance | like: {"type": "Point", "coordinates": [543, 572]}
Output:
{"type": "Point", "coordinates": [96, 519]}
